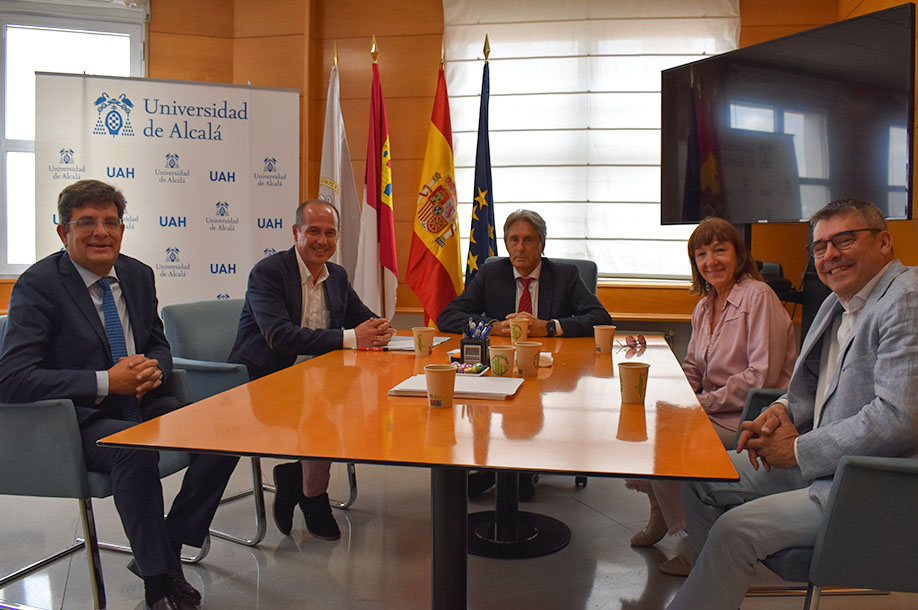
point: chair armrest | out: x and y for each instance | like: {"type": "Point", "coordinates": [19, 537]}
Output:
{"type": "Point", "coordinates": [41, 453]}
{"type": "Point", "coordinates": [206, 378]}
{"type": "Point", "coordinates": [870, 513]}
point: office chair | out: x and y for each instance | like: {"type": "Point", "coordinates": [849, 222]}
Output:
{"type": "Point", "coordinates": [41, 454]}
{"type": "Point", "coordinates": [201, 335]}
{"type": "Point", "coordinates": [589, 273]}
{"type": "Point", "coordinates": [868, 532]}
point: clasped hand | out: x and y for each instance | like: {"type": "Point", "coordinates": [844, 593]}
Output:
{"type": "Point", "coordinates": [537, 327]}
{"type": "Point", "coordinates": [374, 332]}
{"type": "Point", "coordinates": [135, 374]}
{"type": "Point", "coordinates": [769, 438]}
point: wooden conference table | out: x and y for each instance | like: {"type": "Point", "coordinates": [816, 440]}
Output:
{"type": "Point", "coordinates": [569, 419]}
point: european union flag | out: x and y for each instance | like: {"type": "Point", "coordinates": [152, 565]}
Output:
{"type": "Point", "coordinates": [482, 242]}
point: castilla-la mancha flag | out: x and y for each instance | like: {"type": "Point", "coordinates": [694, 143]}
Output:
{"type": "Point", "coordinates": [434, 272]}
{"type": "Point", "coordinates": [376, 276]}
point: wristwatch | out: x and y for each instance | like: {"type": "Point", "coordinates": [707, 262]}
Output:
{"type": "Point", "coordinates": [550, 328]}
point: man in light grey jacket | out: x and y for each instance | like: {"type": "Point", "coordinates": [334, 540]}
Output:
{"type": "Point", "coordinates": [853, 392]}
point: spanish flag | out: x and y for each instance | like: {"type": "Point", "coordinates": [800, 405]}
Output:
{"type": "Point", "coordinates": [376, 275]}
{"type": "Point", "coordinates": [434, 271]}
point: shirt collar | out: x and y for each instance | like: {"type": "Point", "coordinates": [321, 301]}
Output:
{"type": "Point", "coordinates": [856, 303]}
{"type": "Point", "coordinates": [534, 274]}
{"type": "Point", "coordinates": [89, 278]}
{"type": "Point", "coordinates": [305, 274]}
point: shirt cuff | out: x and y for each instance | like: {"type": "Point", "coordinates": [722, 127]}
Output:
{"type": "Point", "coordinates": [101, 386]}
{"type": "Point", "coordinates": [558, 330]}
{"type": "Point", "coordinates": [349, 339]}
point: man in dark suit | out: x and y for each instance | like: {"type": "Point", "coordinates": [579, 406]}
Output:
{"type": "Point", "coordinates": [298, 305]}
{"type": "Point", "coordinates": [559, 303]}
{"type": "Point", "coordinates": [83, 325]}
{"type": "Point", "coordinates": [550, 294]}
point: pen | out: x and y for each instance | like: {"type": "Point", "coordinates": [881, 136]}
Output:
{"type": "Point", "coordinates": [372, 349]}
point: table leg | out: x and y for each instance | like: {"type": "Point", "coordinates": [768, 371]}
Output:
{"type": "Point", "coordinates": [449, 520]}
{"type": "Point", "coordinates": [509, 533]}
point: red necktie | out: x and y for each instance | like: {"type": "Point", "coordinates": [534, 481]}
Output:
{"type": "Point", "coordinates": [525, 298]}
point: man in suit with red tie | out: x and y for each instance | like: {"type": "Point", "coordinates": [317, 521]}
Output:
{"type": "Point", "coordinates": [83, 325]}
{"type": "Point", "coordinates": [527, 284]}
{"type": "Point", "coordinates": [550, 294]}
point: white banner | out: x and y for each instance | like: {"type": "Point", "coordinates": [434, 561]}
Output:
{"type": "Point", "coordinates": [210, 172]}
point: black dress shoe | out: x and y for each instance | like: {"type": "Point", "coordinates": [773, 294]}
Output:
{"type": "Point", "coordinates": [182, 587]}
{"type": "Point", "coordinates": [288, 485]}
{"type": "Point", "coordinates": [170, 602]}
{"type": "Point", "coordinates": [480, 481]}
{"type": "Point", "coordinates": [319, 519]}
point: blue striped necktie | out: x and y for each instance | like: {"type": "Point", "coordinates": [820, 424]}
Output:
{"type": "Point", "coordinates": [130, 408]}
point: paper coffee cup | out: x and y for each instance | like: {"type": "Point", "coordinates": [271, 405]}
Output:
{"type": "Point", "coordinates": [441, 380]}
{"type": "Point", "coordinates": [604, 335]}
{"type": "Point", "coordinates": [423, 340]}
{"type": "Point", "coordinates": [502, 356]}
{"type": "Point", "coordinates": [633, 379]}
{"type": "Point", "coordinates": [527, 357]}
{"type": "Point", "coordinates": [519, 329]}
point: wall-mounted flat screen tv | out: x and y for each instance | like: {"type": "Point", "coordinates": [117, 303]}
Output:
{"type": "Point", "coordinates": [774, 131]}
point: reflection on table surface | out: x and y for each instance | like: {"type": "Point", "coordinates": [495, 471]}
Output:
{"type": "Point", "coordinates": [569, 418]}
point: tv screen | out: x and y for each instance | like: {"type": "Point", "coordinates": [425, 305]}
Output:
{"type": "Point", "coordinates": [774, 131]}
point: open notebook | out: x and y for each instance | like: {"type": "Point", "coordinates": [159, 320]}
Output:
{"type": "Point", "coordinates": [467, 386]}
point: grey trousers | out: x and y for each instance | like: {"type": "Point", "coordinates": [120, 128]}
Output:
{"type": "Point", "coordinates": [732, 526]}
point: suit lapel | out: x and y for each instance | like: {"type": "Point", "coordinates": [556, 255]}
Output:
{"type": "Point", "coordinates": [546, 286]}
{"type": "Point", "coordinates": [294, 287]}
{"type": "Point", "coordinates": [74, 285]}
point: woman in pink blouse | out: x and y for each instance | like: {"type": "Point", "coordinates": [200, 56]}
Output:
{"type": "Point", "coordinates": [742, 338]}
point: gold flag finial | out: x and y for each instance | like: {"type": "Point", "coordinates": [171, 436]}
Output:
{"type": "Point", "coordinates": [442, 56]}
{"type": "Point", "coordinates": [487, 48]}
{"type": "Point", "coordinates": [336, 54]}
{"type": "Point", "coordinates": [374, 50]}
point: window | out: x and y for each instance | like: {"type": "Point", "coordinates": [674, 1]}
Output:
{"type": "Point", "coordinates": [810, 143]}
{"type": "Point", "coordinates": [575, 118]}
{"type": "Point", "coordinates": [63, 38]}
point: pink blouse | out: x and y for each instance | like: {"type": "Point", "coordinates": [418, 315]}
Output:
{"type": "Point", "coordinates": [752, 346]}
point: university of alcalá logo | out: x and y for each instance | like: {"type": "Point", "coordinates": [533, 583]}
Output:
{"type": "Point", "coordinates": [114, 115]}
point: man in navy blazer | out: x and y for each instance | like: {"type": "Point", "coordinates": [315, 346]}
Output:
{"type": "Point", "coordinates": [57, 346]}
{"type": "Point", "coordinates": [561, 303]}
{"type": "Point", "coordinates": [298, 305]}
{"type": "Point", "coordinates": [852, 392]}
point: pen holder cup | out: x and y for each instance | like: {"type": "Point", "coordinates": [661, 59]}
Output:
{"type": "Point", "coordinates": [475, 350]}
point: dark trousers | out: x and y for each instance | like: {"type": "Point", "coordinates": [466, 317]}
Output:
{"type": "Point", "coordinates": [138, 493]}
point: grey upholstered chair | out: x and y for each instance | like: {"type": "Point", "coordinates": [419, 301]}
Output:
{"type": "Point", "coordinates": [589, 273]}
{"type": "Point", "coordinates": [867, 538]}
{"type": "Point", "coordinates": [201, 335]}
{"type": "Point", "coordinates": [41, 454]}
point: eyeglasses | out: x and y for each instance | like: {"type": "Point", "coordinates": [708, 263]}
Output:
{"type": "Point", "coordinates": [89, 224]}
{"type": "Point", "coordinates": [636, 345]}
{"type": "Point", "coordinates": [841, 241]}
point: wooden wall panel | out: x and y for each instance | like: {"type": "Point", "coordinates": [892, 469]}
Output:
{"type": "Point", "coordinates": [191, 58]}
{"type": "Point", "coordinates": [269, 61]}
{"type": "Point", "coordinates": [210, 18]}
{"type": "Point", "coordinates": [269, 18]}
{"type": "Point", "coordinates": [366, 18]}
